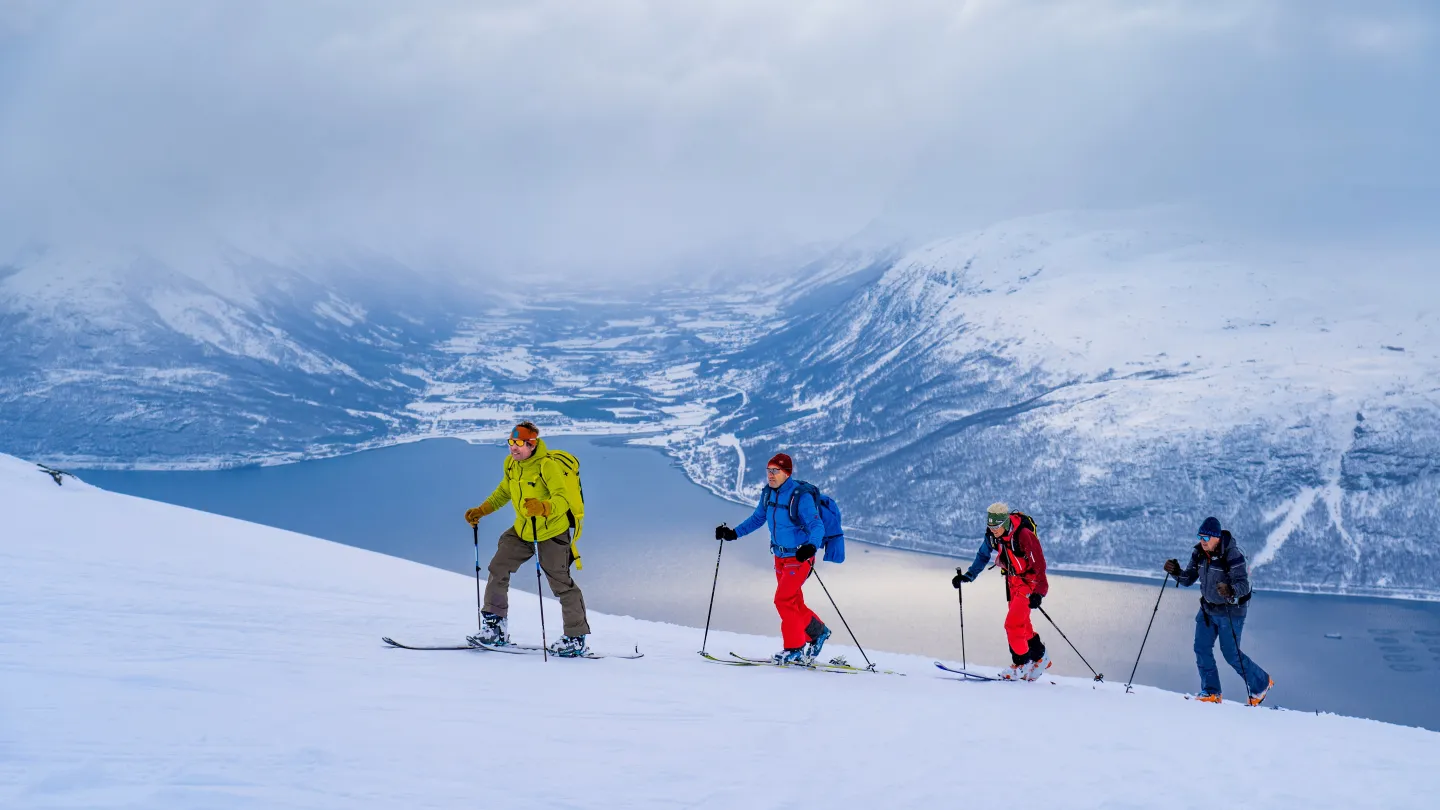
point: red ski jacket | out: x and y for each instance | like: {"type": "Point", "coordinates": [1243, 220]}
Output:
{"type": "Point", "coordinates": [1019, 554]}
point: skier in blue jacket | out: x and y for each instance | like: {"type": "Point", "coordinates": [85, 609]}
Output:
{"type": "Point", "coordinates": [1218, 564]}
{"type": "Point", "coordinates": [794, 545]}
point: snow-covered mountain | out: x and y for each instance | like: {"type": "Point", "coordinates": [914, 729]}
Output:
{"type": "Point", "coordinates": [220, 356]}
{"type": "Point", "coordinates": [1118, 376]}
{"type": "Point", "coordinates": [181, 659]}
{"type": "Point", "coordinates": [1120, 383]}
{"type": "Point", "coordinates": [126, 357]}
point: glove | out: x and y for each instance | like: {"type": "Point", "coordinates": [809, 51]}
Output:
{"type": "Point", "coordinates": [1225, 590]}
{"type": "Point", "coordinates": [1035, 601]}
{"type": "Point", "coordinates": [472, 516]}
{"type": "Point", "coordinates": [959, 578]}
{"type": "Point", "coordinates": [534, 507]}
{"type": "Point", "coordinates": [723, 532]}
{"type": "Point", "coordinates": [805, 552]}
{"type": "Point", "coordinates": [1172, 567]}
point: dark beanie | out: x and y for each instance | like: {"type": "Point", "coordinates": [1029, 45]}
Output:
{"type": "Point", "coordinates": [1211, 527]}
{"type": "Point", "coordinates": [783, 462]}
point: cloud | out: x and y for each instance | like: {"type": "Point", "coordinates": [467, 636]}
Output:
{"type": "Point", "coordinates": [621, 136]}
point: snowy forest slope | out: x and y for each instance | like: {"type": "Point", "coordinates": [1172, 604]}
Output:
{"type": "Point", "coordinates": [217, 354]}
{"type": "Point", "coordinates": [1120, 383]}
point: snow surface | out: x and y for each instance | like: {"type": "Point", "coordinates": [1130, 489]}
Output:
{"type": "Point", "coordinates": [158, 657]}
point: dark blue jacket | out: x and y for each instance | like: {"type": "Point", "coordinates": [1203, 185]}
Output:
{"type": "Point", "coordinates": [1228, 565]}
{"type": "Point", "coordinates": [785, 534]}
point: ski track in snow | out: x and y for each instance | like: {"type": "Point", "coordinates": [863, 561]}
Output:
{"type": "Point", "coordinates": [729, 440]}
{"type": "Point", "coordinates": [1293, 513]}
{"type": "Point", "coordinates": [158, 657]}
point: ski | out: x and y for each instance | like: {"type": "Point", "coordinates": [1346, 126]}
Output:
{"type": "Point", "coordinates": [708, 657]}
{"type": "Point", "coordinates": [393, 643]}
{"type": "Point", "coordinates": [514, 649]}
{"type": "Point", "coordinates": [528, 649]}
{"type": "Point", "coordinates": [840, 663]}
{"type": "Point", "coordinates": [766, 662]}
{"type": "Point", "coordinates": [967, 673]}
{"type": "Point", "coordinates": [978, 677]}
{"type": "Point", "coordinates": [1246, 705]}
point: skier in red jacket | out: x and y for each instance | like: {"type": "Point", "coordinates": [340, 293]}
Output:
{"type": "Point", "coordinates": [1012, 543]}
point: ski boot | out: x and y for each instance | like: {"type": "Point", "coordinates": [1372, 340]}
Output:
{"type": "Point", "coordinates": [812, 649]}
{"type": "Point", "coordinates": [1259, 697]}
{"type": "Point", "coordinates": [1208, 697]}
{"type": "Point", "coordinates": [492, 631]}
{"type": "Point", "coordinates": [790, 656]}
{"type": "Point", "coordinates": [1014, 672]}
{"type": "Point", "coordinates": [569, 647]}
{"type": "Point", "coordinates": [1035, 669]}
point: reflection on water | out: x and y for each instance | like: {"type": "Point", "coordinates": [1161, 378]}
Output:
{"type": "Point", "coordinates": [650, 552]}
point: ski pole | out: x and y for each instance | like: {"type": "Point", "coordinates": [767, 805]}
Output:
{"type": "Point", "coordinates": [961, 592]}
{"type": "Point", "coordinates": [544, 647]}
{"type": "Point", "coordinates": [706, 640]}
{"type": "Point", "coordinates": [479, 611]}
{"type": "Point", "coordinates": [1098, 676]}
{"type": "Point", "coordinates": [1163, 583]}
{"type": "Point", "coordinates": [868, 665]}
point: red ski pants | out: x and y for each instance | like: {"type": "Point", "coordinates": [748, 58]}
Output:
{"type": "Point", "coordinates": [1018, 630]}
{"type": "Point", "coordinates": [795, 617]}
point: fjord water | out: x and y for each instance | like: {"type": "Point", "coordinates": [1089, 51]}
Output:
{"type": "Point", "coordinates": [649, 552]}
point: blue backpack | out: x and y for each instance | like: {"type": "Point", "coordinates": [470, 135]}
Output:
{"type": "Point", "coordinates": [834, 542]}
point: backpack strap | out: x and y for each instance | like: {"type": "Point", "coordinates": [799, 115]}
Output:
{"type": "Point", "coordinates": [1227, 542]}
{"type": "Point", "coordinates": [794, 507]}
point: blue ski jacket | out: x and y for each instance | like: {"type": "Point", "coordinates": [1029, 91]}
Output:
{"type": "Point", "coordinates": [1228, 565]}
{"type": "Point", "coordinates": [785, 535]}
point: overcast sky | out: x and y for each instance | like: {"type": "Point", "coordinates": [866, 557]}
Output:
{"type": "Point", "coordinates": [629, 136]}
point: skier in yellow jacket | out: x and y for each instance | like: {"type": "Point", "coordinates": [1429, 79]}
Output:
{"type": "Point", "coordinates": [535, 484]}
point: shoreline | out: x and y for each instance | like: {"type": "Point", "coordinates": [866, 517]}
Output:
{"type": "Point", "coordinates": [625, 439]}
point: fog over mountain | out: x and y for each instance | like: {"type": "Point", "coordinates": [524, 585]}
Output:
{"type": "Point", "coordinates": [630, 138]}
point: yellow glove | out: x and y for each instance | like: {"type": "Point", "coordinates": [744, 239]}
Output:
{"type": "Point", "coordinates": [535, 507]}
{"type": "Point", "coordinates": [472, 516]}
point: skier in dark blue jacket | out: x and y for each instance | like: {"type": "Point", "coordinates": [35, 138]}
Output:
{"type": "Point", "coordinates": [794, 545]}
{"type": "Point", "coordinates": [1218, 564]}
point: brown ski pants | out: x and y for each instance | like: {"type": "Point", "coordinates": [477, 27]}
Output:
{"type": "Point", "coordinates": [555, 559]}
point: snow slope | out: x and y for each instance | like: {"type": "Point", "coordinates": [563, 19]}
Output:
{"type": "Point", "coordinates": [158, 657]}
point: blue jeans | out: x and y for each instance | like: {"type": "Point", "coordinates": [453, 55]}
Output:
{"type": "Point", "coordinates": [1210, 625]}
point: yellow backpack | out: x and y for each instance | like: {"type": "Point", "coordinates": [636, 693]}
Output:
{"type": "Point", "coordinates": [574, 495]}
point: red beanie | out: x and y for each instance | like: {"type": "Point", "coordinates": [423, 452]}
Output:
{"type": "Point", "coordinates": [783, 462]}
